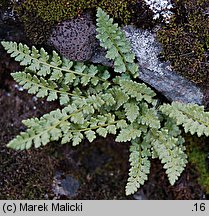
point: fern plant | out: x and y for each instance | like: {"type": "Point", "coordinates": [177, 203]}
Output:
{"type": "Point", "coordinates": [96, 102]}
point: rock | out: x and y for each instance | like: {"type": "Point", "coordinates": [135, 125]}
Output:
{"type": "Point", "coordinates": [75, 39]}
{"type": "Point", "coordinates": [99, 57]}
{"type": "Point", "coordinates": [157, 74]}
{"type": "Point", "coordinates": [152, 71]}
{"type": "Point", "coordinates": [65, 186]}
{"type": "Point", "coordinates": [140, 195]}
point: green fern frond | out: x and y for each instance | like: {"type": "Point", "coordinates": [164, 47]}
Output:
{"type": "Point", "coordinates": [139, 91]}
{"type": "Point", "coordinates": [69, 124]}
{"type": "Point", "coordinates": [170, 152]}
{"type": "Point", "coordinates": [191, 116]}
{"type": "Point", "coordinates": [42, 88]}
{"type": "Point", "coordinates": [140, 165]}
{"type": "Point", "coordinates": [54, 68]}
{"type": "Point", "coordinates": [114, 41]}
{"type": "Point", "coordinates": [41, 132]}
{"type": "Point", "coordinates": [129, 133]}
{"type": "Point", "coordinates": [172, 128]}
{"type": "Point", "coordinates": [97, 103]}
{"type": "Point", "coordinates": [149, 116]}
{"type": "Point", "coordinates": [120, 96]}
{"type": "Point", "coordinates": [131, 111]}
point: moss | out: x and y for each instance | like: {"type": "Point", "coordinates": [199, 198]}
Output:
{"type": "Point", "coordinates": [128, 11]}
{"type": "Point", "coordinates": [186, 39]}
{"type": "Point", "coordinates": [4, 4]}
{"type": "Point", "coordinates": [58, 10]}
{"type": "Point", "coordinates": [38, 16]}
{"type": "Point", "coordinates": [27, 175]}
{"type": "Point", "coordinates": [197, 151]}
{"type": "Point", "coordinates": [119, 10]}
{"type": "Point", "coordinates": [36, 29]}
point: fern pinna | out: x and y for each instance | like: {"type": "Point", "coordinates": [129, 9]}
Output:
{"type": "Point", "coordinates": [96, 102]}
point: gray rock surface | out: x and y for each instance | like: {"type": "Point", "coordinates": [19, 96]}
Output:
{"type": "Point", "coordinates": [65, 186]}
{"type": "Point", "coordinates": [157, 74]}
{"type": "Point", "coordinates": [75, 39]}
{"type": "Point", "coordinates": [99, 57]}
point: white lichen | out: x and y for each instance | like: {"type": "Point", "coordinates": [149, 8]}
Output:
{"type": "Point", "coordinates": [146, 48]}
{"type": "Point", "coordinates": [160, 8]}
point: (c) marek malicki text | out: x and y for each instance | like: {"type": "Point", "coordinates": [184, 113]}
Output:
{"type": "Point", "coordinates": [53, 207]}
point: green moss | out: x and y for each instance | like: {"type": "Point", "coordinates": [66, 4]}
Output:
{"type": "Point", "coordinates": [26, 175]}
{"type": "Point", "coordinates": [186, 39]}
{"type": "Point", "coordinates": [56, 10]}
{"type": "Point", "coordinates": [36, 29]}
{"type": "Point", "coordinates": [118, 9]}
{"type": "Point", "coordinates": [197, 151]}
{"type": "Point", "coordinates": [4, 4]}
{"type": "Point", "coordinates": [38, 16]}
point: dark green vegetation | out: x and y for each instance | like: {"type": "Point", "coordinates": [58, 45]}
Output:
{"type": "Point", "coordinates": [197, 150]}
{"type": "Point", "coordinates": [186, 39]}
{"type": "Point", "coordinates": [59, 10]}
{"type": "Point", "coordinates": [38, 16]}
{"type": "Point", "coordinates": [55, 11]}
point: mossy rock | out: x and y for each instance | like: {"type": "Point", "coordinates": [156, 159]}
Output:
{"type": "Point", "coordinates": [36, 29]}
{"type": "Point", "coordinates": [197, 151]}
{"type": "Point", "coordinates": [119, 9]}
{"type": "Point", "coordinates": [186, 39]}
{"type": "Point", "coordinates": [38, 16]}
{"type": "Point", "coordinates": [26, 175]}
{"type": "Point", "coordinates": [58, 10]}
